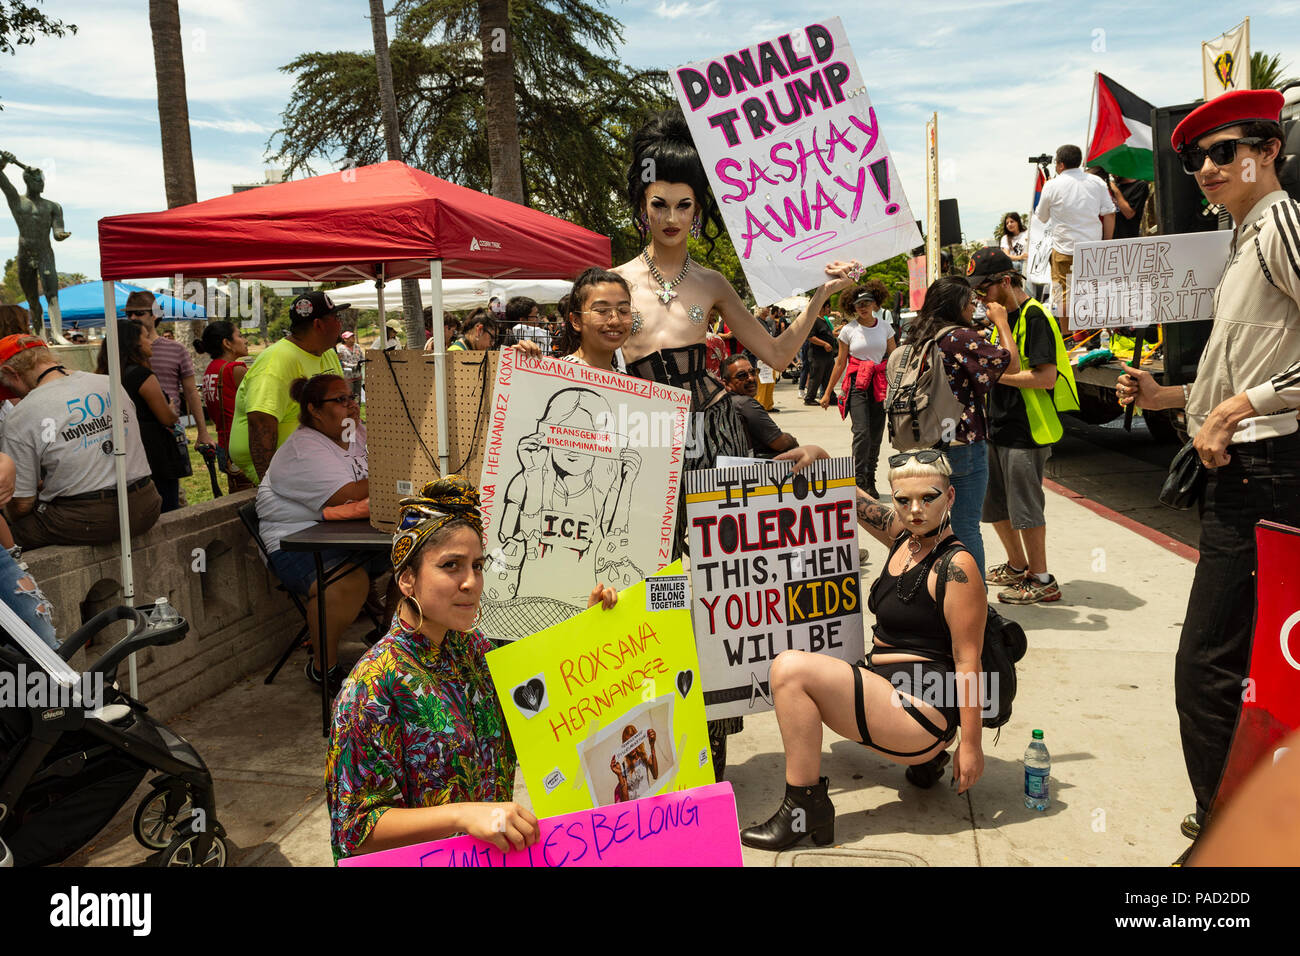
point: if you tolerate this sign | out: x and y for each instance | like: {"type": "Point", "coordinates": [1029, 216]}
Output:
{"type": "Point", "coordinates": [796, 158]}
{"type": "Point", "coordinates": [774, 567]}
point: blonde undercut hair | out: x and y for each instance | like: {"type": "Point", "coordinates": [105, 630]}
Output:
{"type": "Point", "coordinates": [912, 468]}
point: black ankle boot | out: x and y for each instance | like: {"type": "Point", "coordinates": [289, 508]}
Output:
{"type": "Point", "coordinates": [804, 811]}
{"type": "Point", "coordinates": [926, 775]}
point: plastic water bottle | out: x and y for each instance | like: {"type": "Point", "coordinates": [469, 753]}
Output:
{"type": "Point", "coordinates": [1038, 769]}
{"type": "Point", "coordinates": [1104, 339]}
{"type": "Point", "coordinates": [163, 614]}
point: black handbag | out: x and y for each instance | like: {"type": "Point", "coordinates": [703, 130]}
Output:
{"type": "Point", "coordinates": [1186, 478]}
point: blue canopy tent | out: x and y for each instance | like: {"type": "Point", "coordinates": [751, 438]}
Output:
{"type": "Point", "coordinates": [84, 304]}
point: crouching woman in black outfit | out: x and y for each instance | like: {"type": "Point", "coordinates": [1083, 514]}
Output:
{"type": "Point", "coordinates": [920, 680]}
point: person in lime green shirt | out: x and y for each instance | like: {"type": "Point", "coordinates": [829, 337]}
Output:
{"type": "Point", "coordinates": [265, 415]}
{"type": "Point", "coordinates": [479, 333]}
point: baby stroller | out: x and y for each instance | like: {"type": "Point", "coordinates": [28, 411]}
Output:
{"type": "Point", "coordinates": [66, 770]}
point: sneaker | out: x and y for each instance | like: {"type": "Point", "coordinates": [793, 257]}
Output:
{"type": "Point", "coordinates": [801, 391]}
{"type": "Point", "coordinates": [335, 675]}
{"type": "Point", "coordinates": [1029, 591]}
{"type": "Point", "coordinates": [1004, 575]}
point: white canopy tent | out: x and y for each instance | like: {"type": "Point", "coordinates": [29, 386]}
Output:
{"type": "Point", "coordinates": [457, 294]}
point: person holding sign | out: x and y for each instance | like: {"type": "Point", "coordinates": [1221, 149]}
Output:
{"type": "Point", "coordinates": [1241, 414]}
{"type": "Point", "coordinates": [919, 683]}
{"type": "Point", "coordinates": [672, 296]}
{"type": "Point", "coordinates": [419, 748]}
{"type": "Point", "coordinates": [865, 344]}
{"type": "Point", "coordinates": [599, 320]}
{"type": "Point", "coordinates": [637, 769]}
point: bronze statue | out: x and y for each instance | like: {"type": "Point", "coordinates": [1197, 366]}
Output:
{"type": "Point", "coordinates": [36, 216]}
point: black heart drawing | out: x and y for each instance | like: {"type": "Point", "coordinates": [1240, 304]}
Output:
{"type": "Point", "coordinates": [684, 681]}
{"type": "Point", "coordinates": [529, 696]}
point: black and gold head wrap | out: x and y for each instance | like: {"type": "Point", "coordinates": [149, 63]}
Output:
{"type": "Point", "coordinates": [439, 503]}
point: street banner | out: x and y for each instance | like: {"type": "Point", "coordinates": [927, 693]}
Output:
{"type": "Point", "coordinates": [796, 158]}
{"type": "Point", "coordinates": [569, 449]}
{"type": "Point", "coordinates": [696, 827]}
{"type": "Point", "coordinates": [608, 706]}
{"type": "Point", "coordinates": [1225, 61]}
{"type": "Point", "coordinates": [1270, 708]}
{"type": "Point", "coordinates": [1150, 279]}
{"type": "Point", "coordinates": [916, 282]}
{"type": "Point", "coordinates": [774, 567]}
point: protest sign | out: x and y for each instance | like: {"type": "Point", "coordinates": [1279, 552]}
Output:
{"type": "Point", "coordinates": [916, 282]}
{"type": "Point", "coordinates": [1038, 267]}
{"type": "Point", "coordinates": [607, 706]}
{"type": "Point", "coordinates": [696, 827]}
{"type": "Point", "coordinates": [796, 158]}
{"type": "Point", "coordinates": [1151, 279]}
{"type": "Point", "coordinates": [1270, 708]}
{"type": "Point", "coordinates": [569, 447]}
{"type": "Point", "coordinates": [774, 566]}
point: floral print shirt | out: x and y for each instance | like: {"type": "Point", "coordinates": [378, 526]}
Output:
{"type": "Point", "coordinates": [973, 365]}
{"type": "Point", "coordinates": [415, 726]}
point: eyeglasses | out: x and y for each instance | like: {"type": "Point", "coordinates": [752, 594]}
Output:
{"type": "Point", "coordinates": [134, 312]}
{"type": "Point", "coordinates": [747, 373]}
{"type": "Point", "coordinates": [1221, 153]}
{"type": "Point", "coordinates": [624, 312]}
{"type": "Point", "coordinates": [926, 456]}
{"type": "Point", "coordinates": [341, 400]}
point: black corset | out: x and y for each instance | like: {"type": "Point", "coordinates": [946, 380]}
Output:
{"type": "Point", "coordinates": [682, 367]}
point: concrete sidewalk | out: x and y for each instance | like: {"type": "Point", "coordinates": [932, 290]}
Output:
{"type": "Point", "coordinates": [1097, 679]}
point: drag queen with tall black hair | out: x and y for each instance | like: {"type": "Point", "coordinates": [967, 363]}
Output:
{"type": "Point", "coordinates": [672, 296]}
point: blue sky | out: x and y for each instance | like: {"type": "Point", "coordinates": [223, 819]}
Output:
{"type": "Point", "coordinates": [1009, 78]}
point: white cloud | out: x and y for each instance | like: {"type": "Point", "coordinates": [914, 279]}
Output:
{"type": "Point", "coordinates": [233, 126]}
{"type": "Point", "coordinates": [686, 8]}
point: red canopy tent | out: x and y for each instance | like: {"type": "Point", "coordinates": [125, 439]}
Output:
{"type": "Point", "coordinates": [386, 221]}
{"type": "Point", "coordinates": [349, 225]}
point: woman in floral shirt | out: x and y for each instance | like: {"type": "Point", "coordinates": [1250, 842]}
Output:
{"type": "Point", "coordinates": [419, 748]}
{"type": "Point", "coordinates": [973, 365]}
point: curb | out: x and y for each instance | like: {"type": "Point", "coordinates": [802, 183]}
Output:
{"type": "Point", "coordinates": [1166, 542]}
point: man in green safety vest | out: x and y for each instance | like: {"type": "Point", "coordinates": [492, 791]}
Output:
{"type": "Point", "coordinates": [1023, 426]}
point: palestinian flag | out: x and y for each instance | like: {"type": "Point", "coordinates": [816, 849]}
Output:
{"type": "Point", "coordinates": [1120, 131]}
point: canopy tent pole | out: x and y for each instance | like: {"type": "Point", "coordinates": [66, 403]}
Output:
{"type": "Point", "coordinates": [379, 293]}
{"type": "Point", "coordinates": [439, 360]}
{"type": "Point", "coordinates": [118, 432]}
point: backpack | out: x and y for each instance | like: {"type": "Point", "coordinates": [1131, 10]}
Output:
{"type": "Point", "coordinates": [920, 407]}
{"type": "Point", "coordinates": [1004, 644]}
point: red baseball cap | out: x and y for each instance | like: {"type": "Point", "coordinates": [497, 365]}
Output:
{"type": "Point", "coordinates": [1228, 109]}
{"type": "Point", "coordinates": [10, 346]}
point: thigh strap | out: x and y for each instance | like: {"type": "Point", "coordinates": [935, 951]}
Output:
{"type": "Point", "coordinates": [859, 711]}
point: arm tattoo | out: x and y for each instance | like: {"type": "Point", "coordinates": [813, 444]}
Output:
{"type": "Point", "coordinates": [955, 573]}
{"type": "Point", "coordinates": [873, 514]}
{"type": "Point", "coordinates": [261, 446]}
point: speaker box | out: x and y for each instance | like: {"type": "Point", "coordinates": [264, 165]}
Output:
{"type": "Point", "coordinates": [949, 223]}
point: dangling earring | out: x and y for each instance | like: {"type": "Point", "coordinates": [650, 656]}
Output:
{"type": "Point", "coordinates": [418, 610]}
{"type": "Point", "coordinates": [644, 224]}
{"type": "Point", "coordinates": [695, 228]}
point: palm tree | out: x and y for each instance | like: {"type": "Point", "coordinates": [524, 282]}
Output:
{"type": "Point", "coordinates": [499, 100]}
{"type": "Point", "coordinates": [173, 116]}
{"type": "Point", "coordinates": [1265, 70]}
{"type": "Point", "coordinates": [413, 313]}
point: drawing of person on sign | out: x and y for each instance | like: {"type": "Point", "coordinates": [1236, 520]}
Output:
{"type": "Point", "coordinates": [566, 512]}
{"type": "Point", "coordinates": [634, 768]}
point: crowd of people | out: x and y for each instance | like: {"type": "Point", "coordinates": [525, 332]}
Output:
{"type": "Point", "coordinates": [419, 748]}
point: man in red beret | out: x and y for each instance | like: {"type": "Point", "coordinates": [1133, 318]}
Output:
{"type": "Point", "coordinates": [1241, 411]}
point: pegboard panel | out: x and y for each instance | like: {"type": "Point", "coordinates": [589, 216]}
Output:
{"type": "Point", "coordinates": [402, 436]}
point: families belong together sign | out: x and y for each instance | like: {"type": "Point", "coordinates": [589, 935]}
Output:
{"type": "Point", "coordinates": [796, 158]}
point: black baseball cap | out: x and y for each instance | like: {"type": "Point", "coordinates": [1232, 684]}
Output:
{"type": "Point", "coordinates": [986, 263]}
{"type": "Point", "coordinates": [313, 305]}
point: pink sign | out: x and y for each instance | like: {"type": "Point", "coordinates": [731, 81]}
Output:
{"type": "Point", "coordinates": [695, 827]}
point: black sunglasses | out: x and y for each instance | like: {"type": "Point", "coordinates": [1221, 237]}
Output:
{"type": "Point", "coordinates": [131, 312]}
{"type": "Point", "coordinates": [1221, 153]}
{"type": "Point", "coordinates": [926, 456]}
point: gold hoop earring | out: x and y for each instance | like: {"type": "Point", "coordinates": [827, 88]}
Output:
{"type": "Point", "coordinates": [418, 610]}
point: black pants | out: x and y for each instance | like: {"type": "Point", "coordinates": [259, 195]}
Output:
{"type": "Point", "coordinates": [1262, 482]}
{"type": "Point", "coordinates": [820, 364]}
{"type": "Point", "coordinates": [868, 427]}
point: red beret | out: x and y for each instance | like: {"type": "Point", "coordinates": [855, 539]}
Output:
{"type": "Point", "coordinates": [1228, 109]}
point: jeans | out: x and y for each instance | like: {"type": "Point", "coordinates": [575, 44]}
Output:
{"type": "Point", "coordinates": [1261, 482]}
{"type": "Point", "coordinates": [20, 591]}
{"type": "Point", "coordinates": [803, 366]}
{"type": "Point", "coordinates": [169, 489]}
{"type": "Point", "coordinates": [970, 477]}
{"type": "Point", "coordinates": [868, 427]}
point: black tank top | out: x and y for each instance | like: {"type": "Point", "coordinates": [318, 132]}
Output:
{"type": "Point", "coordinates": [915, 626]}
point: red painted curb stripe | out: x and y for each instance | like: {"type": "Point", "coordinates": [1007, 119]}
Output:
{"type": "Point", "coordinates": [1166, 542]}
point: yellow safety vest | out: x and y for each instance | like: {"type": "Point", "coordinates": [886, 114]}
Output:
{"type": "Point", "coordinates": [1041, 404]}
